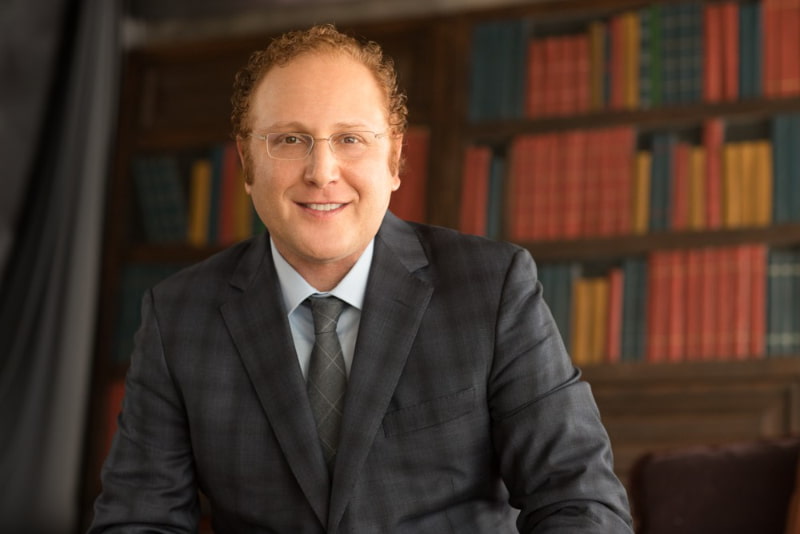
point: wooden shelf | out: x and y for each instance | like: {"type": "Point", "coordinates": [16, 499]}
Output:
{"type": "Point", "coordinates": [622, 246]}
{"type": "Point", "coordinates": [500, 132]}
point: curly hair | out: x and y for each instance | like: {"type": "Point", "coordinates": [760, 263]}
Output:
{"type": "Point", "coordinates": [326, 37]}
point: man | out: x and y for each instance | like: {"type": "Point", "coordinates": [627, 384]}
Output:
{"type": "Point", "coordinates": [460, 403]}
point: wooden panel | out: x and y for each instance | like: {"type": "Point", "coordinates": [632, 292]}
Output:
{"type": "Point", "coordinates": [670, 406]}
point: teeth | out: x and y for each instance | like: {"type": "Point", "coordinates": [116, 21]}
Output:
{"type": "Point", "coordinates": [324, 207]}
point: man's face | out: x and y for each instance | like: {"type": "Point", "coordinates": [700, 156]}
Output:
{"type": "Point", "coordinates": [321, 209]}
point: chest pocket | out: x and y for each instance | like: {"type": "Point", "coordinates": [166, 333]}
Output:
{"type": "Point", "coordinates": [429, 413]}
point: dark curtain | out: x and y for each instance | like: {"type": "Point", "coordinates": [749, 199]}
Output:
{"type": "Point", "coordinates": [59, 70]}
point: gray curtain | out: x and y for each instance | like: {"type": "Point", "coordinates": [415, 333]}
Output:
{"type": "Point", "coordinates": [59, 69]}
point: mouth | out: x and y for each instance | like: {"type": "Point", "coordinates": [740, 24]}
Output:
{"type": "Point", "coordinates": [322, 207]}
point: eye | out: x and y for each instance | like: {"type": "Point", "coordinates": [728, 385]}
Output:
{"type": "Point", "coordinates": [291, 139]}
{"type": "Point", "coordinates": [350, 138]}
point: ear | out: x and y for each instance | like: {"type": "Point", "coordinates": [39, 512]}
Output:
{"type": "Point", "coordinates": [396, 155]}
{"type": "Point", "coordinates": [241, 149]}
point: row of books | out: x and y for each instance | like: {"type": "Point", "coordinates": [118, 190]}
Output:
{"type": "Point", "coordinates": [202, 200]}
{"type": "Point", "coordinates": [722, 303]}
{"type": "Point", "coordinates": [659, 55]}
{"type": "Point", "coordinates": [196, 200]}
{"type": "Point", "coordinates": [613, 181]}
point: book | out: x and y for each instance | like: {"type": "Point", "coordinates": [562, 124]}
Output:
{"type": "Point", "coordinates": [713, 136]}
{"type": "Point", "coordinates": [640, 196]}
{"type": "Point", "coordinates": [696, 189]}
{"type": "Point", "coordinates": [162, 199]}
{"type": "Point", "coordinates": [475, 190]}
{"type": "Point", "coordinates": [613, 346]}
{"type": "Point", "coordinates": [199, 202]}
{"type": "Point", "coordinates": [634, 306]}
{"type": "Point", "coordinates": [409, 202]}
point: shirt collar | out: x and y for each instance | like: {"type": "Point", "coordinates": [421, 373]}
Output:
{"type": "Point", "coordinates": [296, 290]}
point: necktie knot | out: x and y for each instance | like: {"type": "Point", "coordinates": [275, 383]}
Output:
{"type": "Point", "coordinates": [325, 311]}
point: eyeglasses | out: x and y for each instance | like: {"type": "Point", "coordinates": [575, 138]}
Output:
{"type": "Point", "coordinates": [295, 145]}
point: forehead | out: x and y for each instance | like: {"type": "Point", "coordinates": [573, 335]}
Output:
{"type": "Point", "coordinates": [319, 88]}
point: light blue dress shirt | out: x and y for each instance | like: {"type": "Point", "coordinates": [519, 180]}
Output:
{"type": "Point", "coordinates": [296, 290]}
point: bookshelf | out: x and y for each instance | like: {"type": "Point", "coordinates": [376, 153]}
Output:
{"type": "Point", "coordinates": [175, 102]}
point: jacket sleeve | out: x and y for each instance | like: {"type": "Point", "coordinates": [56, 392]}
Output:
{"type": "Point", "coordinates": [555, 455]}
{"type": "Point", "coordinates": [149, 482]}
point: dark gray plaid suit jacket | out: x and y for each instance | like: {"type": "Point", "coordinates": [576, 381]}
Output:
{"type": "Point", "coordinates": [461, 400]}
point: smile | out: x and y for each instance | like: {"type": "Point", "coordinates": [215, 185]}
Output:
{"type": "Point", "coordinates": [323, 207]}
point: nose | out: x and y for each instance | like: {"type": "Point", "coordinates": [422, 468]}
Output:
{"type": "Point", "coordinates": [322, 167]}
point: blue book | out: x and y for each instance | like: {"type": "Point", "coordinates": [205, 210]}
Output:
{"type": "Point", "coordinates": [671, 40]}
{"type": "Point", "coordinates": [645, 59]}
{"type": "Point", "coordinates": [781, 155]}
{"type": "Point", "coordinates": [661, 180]}
{"type": "Point", "coordinates": [793, 154]}
{"type": "Point", "coordinates": [632, 307]}
{"type": "Point", "coordinates": [162, 199]}
{"type": "Point", "coordinates": [494, 218]}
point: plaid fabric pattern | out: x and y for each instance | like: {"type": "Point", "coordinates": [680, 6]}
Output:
{"type": "Point", "coordinates": [327, 378]}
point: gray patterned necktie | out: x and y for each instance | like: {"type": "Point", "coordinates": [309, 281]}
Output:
{"type": "Point", "coordinates": [327, 378]}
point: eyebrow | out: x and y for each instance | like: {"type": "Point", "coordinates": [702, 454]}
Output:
{"type": "Point", "coordinates": [292, 126]}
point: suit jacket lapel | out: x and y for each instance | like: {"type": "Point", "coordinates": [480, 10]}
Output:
{"type": "Point", "coordinates": [260, 331]}
{"type": "Point", "coordinates": [395, 302]}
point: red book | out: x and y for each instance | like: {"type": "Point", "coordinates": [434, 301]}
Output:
{"type": "Point", "coordinates": [709, 304]}
{"type": "Point", "coordinates": [675, 305]}
{"type": "Point", "coordinates": [681, 159]}
{"type": "Point", "coordinates": [713, 132]}
{"type": "Point", "coordinates": [583, 72]}
{"type": "Point", "coordinates": [624, 154]}
{"type": "Point", "coordinates": [616, 28]}
{"type": "Point", "coordinates": [773, 47]}
{"type": "Point", "coordinates": [758, 308]}
{"type": "Point", "coordinates": [409, 202]}
{"type": "Point", "coordinates": [730, 50]}
{"type": "Point", "coordinates": [605, 182]}
{"type": "Point", "coordinates": [573, 182]}
{"type": "Point", "coordinates": [741, 281]}
{"type": "Point", "coordinates": [592, 180]}
{"type": "Point", "coordinates": [475, 190]}
{"type": "Point", "coordinates": [657, 302]}
{"type": "Point", "coordinates": [232, 185]}
{"type": "Point", "coordinates": [553, 87]}
{"type": "Point", "coordinates": [790, 49]}
{"type": "Point", "coordinates": [693, 304]}
{"type": "Point", "coordinates": [725, 333]}
{"type": "Point", "coordinates": [712, 53]}
{"type": "Point", "coordinates": [547, 154]}
{"type": "Point", "coordinates": [613, 348]}
{"type": "Point", "coordinates": [537, 78]}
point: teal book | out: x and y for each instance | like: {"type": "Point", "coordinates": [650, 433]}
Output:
{"type": "Point", "coordinates": [661, 180]}
{"type": "Point", "coordinates": [162, 199]}
{"type": "Point", "coordinates": [781, 127]}
{"type": "Point", "coordinates": [634, 308]}
{"type": "Point", "coordinates": [495, 211]}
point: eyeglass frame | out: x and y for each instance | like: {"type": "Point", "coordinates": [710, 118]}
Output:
{"type": "Point", "coordinates": [264, 137]}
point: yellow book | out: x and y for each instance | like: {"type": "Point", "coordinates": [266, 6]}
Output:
{"type": "Point", "coordinates": [640, 199]}
{"type": "Point", "coordinates": [697, 190]}
{"type": "Point", "coordinates": [597, 64]}
{"type": "Point", "coordinates": [764, 183]}
{"type": "Point", "coordinates": [732, 189]}
{"type": "Point", "coordinates": [199, 203]}
{"type": "Point", "coordinates": [581, 320]}
{"type": "Point", "coordinates": [632, 48]}
{"type": "Point", "coordinates": [747, 160]}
